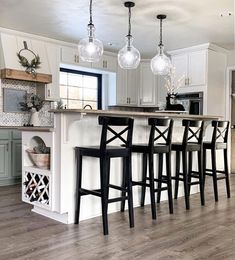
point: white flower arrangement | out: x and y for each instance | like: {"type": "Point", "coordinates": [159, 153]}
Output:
{"type": "Point", "coordinates": [172, 83]}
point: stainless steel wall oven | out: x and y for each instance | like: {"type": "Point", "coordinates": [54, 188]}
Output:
{"type": "Point", "coordinates": [192, 102]}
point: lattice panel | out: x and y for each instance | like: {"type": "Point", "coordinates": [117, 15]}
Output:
{"type": "Point", "coordinates": [36, 187]}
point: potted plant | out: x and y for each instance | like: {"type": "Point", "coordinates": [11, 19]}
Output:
{"type": "Point", "coordinates": [33, 103]}
{"type": "Point", "coordinates": [40, 156]}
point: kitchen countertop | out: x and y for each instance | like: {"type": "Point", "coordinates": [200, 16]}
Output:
{"type": "Point", "coordinates": [30, 128]}
{"type": "Point", "coordinates": [133, 113]}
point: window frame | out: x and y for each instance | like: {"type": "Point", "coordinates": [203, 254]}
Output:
{"type": "Point", "coordinates": [86, 73]}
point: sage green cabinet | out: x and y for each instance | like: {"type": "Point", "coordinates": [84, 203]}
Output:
{"type": "Point", "coordinates": [10, 157]}
{"type": "Point", "coordinates": [4, 159]}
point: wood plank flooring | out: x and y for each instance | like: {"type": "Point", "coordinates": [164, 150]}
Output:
{"type": "Point", "coordinates": [202, 233]}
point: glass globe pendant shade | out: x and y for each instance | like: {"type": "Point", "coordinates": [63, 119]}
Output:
{"type": "Point", "coordinates": [161, 64]}
{"type": "Point", "coordinates": [90, 49]}
{"type": "Point", "coordinates": [128, 56]}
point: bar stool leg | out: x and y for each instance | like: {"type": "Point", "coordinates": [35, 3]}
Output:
{"type": "Point", "coordinates": [190, 163]}
{"type": "Point", "coordinates": [129, 190]}
{"type": "Point", "coordinates": [213, 161]}
{"type": "Point", "coordinates": [159, 184]}
{"type": "Point", "coordinates": [177, 172]}
{"type": "Point", "coordinates": [226, 172]}
{"type": "Point", "coordinates": [104, 193]}
{"type": "Point", "coordinates": [169, 184]}
{"type": "Point", "coordinates": [124, 184]}
{"type": "Point", "coordinates": [201, 179]}
{"type": "Point", "coordinates": [152, 192]}
{"type": "Point", "coordinates": [79, 183]}
{"type": "Point", "coordinates": [144, 178]}
{"type": "Point", "coordinates": [185, 174]}
{"type": "Point", "coordinates": [204, 167]}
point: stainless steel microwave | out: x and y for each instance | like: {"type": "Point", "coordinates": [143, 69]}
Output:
{"type": "Point", "coordinates": [192, 102]}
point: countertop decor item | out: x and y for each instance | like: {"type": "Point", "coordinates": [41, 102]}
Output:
{"type": "Point", "coordinates": [32, 65]}
{"type": "Point", "coordinates": [161, 64]}
{"type": "Point", "coordinates": [90, 49]}
{"type": "Point", "coordinates": [129, 56]}
{"type": "Point", "coordinates": [33, 103]}
{"type": "Point", "coordinates": [40, 156]}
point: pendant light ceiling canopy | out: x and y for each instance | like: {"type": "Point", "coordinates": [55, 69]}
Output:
{"type": "Point", "coordinates": [90, 49]}
{"type": "Point", "coordinates": [129, 56]}
{"type": "Point", "coordinates": [161, 64]}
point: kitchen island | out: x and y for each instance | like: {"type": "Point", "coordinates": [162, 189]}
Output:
{"type": "Point", "coordinates": [76, 127]}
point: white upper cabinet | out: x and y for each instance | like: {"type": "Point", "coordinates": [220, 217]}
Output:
{"type": "Point", "coordinates": [106, 63]}
{"type": "Point", "coordinates": [197, 68]}
{"type": "Point", "coordinates": [192, 66]}
{"type": "Point", "coordinates": [53, 89]}
{"type": "Point", "coordinates": [148, 85]}
{"type": "Point", "coordinates": [127, 87]}
{"type": "Point", "coordinates": [69, 55]}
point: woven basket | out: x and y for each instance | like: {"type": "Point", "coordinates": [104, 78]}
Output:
{"type": "Point", "coordinates": [42, 161]}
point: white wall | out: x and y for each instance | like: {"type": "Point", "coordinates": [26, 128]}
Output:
{"type": "Point", "coordinates": [231, 58]}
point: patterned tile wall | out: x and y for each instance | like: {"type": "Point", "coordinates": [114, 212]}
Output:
{"type": "Point", "coordinates": [18, 119]}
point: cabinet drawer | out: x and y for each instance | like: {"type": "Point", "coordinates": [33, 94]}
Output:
{"type": "Point", "coordinates": [5, 134]}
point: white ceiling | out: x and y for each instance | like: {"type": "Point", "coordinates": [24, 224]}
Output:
{"type": "Point", "coordinates": [188, 23]}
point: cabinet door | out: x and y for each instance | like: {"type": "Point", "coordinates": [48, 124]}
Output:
{"type": "Point", "coordinates": [69, 55]}
{"type": "Point", "coordinates": [197, 63]}
{"type": "Point", "coordinates": [4, 159]}
{"type": "Point", "coordinates": [147, 85]}
{"type": "Point", "coordinates": [52, 91]}
{"type": "Point", "coordinates": [161, 91]}
{"type": "Point", "coordinates": [16, 158]}
{"type": "Point", "coordinates": [132, 86]}
{"type": "Point", "coordinates": [9, 58]}
{"type": "Point", "coordinates": [121, 89]}
{"type": "Point", "coordinates": [107, 63]}
{"type": "Point", "coordinates": [180, 63]}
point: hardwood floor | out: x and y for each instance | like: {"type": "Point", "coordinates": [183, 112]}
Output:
{"type": "Point", "coordinates": [202, 233]}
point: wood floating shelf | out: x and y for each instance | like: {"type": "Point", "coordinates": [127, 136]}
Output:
{"type": "Point", "coordinates": [22, 75]}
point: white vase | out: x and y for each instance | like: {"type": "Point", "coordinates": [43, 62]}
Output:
{"type": "Point", "coordinates": [34, 118]}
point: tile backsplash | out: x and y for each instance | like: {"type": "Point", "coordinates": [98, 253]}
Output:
{"type": "Point", "coordinates": [18, 119]}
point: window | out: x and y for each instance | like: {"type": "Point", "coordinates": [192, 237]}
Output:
{"type": "Point", "coordinates": [79, 88]}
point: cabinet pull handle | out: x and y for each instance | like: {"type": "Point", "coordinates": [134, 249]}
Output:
{"type": "Point", "coordinates": [185, 81]}
{"type": "Point", "coordinates": [7, 147]}
{"type": "Point", "coordinates": [127, 100]}
{"type": "Point", "coordinates": [188, 81]}
{"type": "Point", "coordinates": [48, 93]}
{"type": "Point", "coordinates": [105, 64]}
{"type": "Point", "coordinates": [140, 101]}
{"type": "Point", "coordinates": [75, 58]}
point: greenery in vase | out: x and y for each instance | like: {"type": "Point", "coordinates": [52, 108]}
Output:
{"type": "Point", "coordinates": [32, 102]}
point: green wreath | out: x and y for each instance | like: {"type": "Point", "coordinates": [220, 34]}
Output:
{"type": "Point", "coordinates": [32, 65]}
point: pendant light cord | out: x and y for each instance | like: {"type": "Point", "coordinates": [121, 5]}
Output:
{"type": "Point", "coordinates": [160, 43]}
{"type": "Point", "coordinates": [129, 20]}
{"type": "Point", "coordinates": [90, 22]}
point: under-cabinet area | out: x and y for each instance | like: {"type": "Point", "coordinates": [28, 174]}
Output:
{"type": "Point", "coordinates": [10, 156]}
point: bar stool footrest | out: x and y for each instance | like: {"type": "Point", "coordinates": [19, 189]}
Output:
{"type": "Point", "coordinates": [117, 199]}
{"type": "Point", "coordinates": [90, 192]}
{"type": "Point", "coordinates": [117, 187]}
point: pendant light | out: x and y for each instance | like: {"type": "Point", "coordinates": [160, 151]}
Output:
{"type": "Point", "coordinates": [129, 56]}
{"type": "Point", "coordinates": [161, 64]}
{"type": "Point", "coordinates": [90, 49]}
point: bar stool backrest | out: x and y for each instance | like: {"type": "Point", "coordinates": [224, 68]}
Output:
{"type": "Point", "coordinates": [107, 124]}
{"type": "Point", "coordinates": [220, 131]}
{"type": "Point", "coordinates": [161, 131]}
{"type": "Point", "coordinates": [193, 131]}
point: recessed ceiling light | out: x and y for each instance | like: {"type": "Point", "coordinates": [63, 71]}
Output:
{"type": "Point", "coordinates": [225, 14]}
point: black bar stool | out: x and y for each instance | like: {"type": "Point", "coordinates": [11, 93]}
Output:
{"type": "Point", "coordinates": [219, 141]}
{"type": "Point", "coordinates": [159, 143]}
{"type": "Point", "coordinates": [192, 142]}
{"type": "Point", "coordinates": [105, 152]}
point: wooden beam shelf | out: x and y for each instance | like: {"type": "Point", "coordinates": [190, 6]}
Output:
{"type": "Point", "coordinates": [22, 75]}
